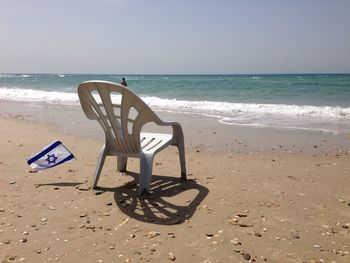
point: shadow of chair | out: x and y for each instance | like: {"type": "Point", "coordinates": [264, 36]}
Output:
{"type": "Point", "coordinates": [168, 203]}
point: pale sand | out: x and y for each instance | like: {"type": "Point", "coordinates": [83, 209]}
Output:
{"type": "Point", "coordinates": [276, 206]}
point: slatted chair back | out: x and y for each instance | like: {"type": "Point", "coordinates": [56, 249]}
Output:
{"type": "Point", "coordinates": [120, 113]}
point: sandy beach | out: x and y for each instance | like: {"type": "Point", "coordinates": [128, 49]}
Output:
{"type": "Point", "coordinates": [244, 201]}
{"type": "Point", "coordinates": [261, 90]}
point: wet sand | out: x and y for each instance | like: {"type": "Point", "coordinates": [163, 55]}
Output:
{"type": "Point", "coordinates": [199, 131]}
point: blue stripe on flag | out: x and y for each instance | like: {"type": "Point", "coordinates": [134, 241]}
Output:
{"type": "Point", "coordinates": [44, 152]}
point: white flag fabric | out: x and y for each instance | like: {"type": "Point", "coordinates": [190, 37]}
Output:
{"type": "Point", "coordinates": [52, 155]}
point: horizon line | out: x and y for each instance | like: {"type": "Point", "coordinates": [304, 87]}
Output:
{"type": "Point", "coordinates": [190, 74]}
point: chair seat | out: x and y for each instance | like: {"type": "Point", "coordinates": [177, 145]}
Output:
{"type": "Point", "coordinates": [154, 142]}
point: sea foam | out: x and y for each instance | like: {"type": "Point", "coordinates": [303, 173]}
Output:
{"type": "Point", "coordinates": [241, 111]}
{"type": "Point", "coordinates": [229, 108]}
{"type": "Point", "coordinates": [38, 96]}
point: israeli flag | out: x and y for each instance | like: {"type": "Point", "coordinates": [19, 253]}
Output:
{"type": "Point", "coordinates": [52, 155]}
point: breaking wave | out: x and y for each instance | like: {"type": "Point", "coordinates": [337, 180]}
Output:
{"type": "Point", "coordinates": [305, 117]}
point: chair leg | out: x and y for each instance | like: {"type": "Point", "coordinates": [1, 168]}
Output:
{"type": "Point", "coordinates": [121, 163]}
{"type": "Point", "coordinates": [100, 162]}
{"type": "Point", "coordinates": [181, 149]}
{"type": "Point", "coordinates": [180, 143]}
{"type": "Point", "coordinates": [146, 165]}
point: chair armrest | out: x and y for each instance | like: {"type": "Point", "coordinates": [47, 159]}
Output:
{"type": "Point", "coordinates": [177, 129]}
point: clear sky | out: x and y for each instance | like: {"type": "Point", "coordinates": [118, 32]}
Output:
{"type": "Point", "coordinates": [175, 36]}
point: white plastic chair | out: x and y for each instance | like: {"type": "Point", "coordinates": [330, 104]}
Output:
{"type": "Point", "coordinates": [123, 131]}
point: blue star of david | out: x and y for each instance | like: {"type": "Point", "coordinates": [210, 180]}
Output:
{"type": "Point", "coordinates": [51, 158]}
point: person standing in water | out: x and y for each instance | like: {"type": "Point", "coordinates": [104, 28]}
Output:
{"type": "Point", "coordinates": [123, 82]}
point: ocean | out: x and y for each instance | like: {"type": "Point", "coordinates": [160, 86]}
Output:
{"type": "Point", "coordinates": [314, 102]}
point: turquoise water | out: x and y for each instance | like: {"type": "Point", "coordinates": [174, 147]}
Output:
{"type": "Point", "coordinates": [301, 101]}
{"type": "Point", "coordinates": [331, 90]}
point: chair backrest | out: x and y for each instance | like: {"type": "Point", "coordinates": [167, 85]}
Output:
{"type": "Point", "coordinates": [120, 112]}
